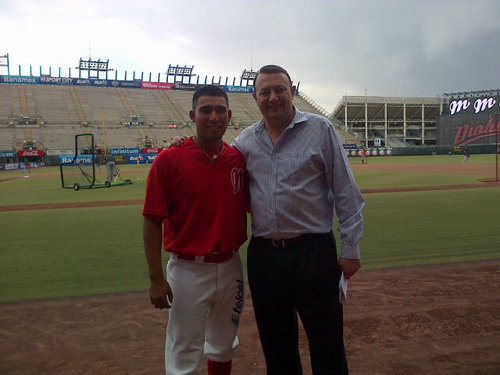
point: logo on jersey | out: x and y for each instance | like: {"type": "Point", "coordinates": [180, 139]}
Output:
{"type": "Point", "coordinates": [237, 179]}
{"type": "Point", "coordinates": [238, 305]}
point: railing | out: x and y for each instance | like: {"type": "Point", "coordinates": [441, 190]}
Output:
{"type": "Point", "coordinates": [22, 99]}
{"type": "Point", "coordinates": [343, 127]}
{"type": "Point", "coordinates": [171, 106]}
{"type": "Point", "coordinates": [315, 105]}
{"type": "Point", "coordinates": [125, 102]}
{"type": "Point", "coordinates": [78, 105]}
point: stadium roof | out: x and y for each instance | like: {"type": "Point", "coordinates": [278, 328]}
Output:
{"type": "Point", "coordinates": [377, 104]}
{"type": "Point", "coordinates": [472, 94]}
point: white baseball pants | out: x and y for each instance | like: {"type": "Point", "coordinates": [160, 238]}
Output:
{"type": "Point", "coordinates": [206, 308]}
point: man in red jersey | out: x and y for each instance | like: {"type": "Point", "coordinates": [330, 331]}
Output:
{"type": "Point", "coordinates": [196, 201]}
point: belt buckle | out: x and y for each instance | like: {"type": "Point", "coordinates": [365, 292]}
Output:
{"type": "Point", "coordinates": [278, 242]}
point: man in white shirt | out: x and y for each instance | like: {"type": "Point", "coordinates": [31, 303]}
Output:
{"type": "Point", "coordinates": [299, 175]}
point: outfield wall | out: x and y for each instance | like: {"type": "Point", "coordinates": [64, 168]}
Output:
{"type": "Point", "coordinates": [443, 150]}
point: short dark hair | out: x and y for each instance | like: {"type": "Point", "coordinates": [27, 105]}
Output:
{"type": "Point", "coordinates": [209, 90]}
{"type": "Point", "coordinates": [271, 69]}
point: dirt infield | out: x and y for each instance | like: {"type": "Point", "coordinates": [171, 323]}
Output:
{"type": "Point", "coordinates": [442, 319]}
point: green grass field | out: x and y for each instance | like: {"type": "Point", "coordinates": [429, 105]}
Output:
{"type": "Point", "coordinates": [93, 250]}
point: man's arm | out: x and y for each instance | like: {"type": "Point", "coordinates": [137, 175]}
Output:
{"type": "Point", "coordinates": [349, 203]}
{"type": "Point", "coordinates": [159, 289]}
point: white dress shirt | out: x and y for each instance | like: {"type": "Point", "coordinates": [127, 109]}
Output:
{"type": "Point", "coordinates": [296, 184]}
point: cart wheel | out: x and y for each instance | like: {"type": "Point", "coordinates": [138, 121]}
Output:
{"type": "Point", "coordinates": [127, 181]}
{"type": "Point", "coordinates": [107, 184]}
{"type": "Point", "coordinates": [76, 186]}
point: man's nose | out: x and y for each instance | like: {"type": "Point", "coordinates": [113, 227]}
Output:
{"type": "Point", "coordinates": [273, 95]}
{"type": "Point", "coordinates": [213, 115]}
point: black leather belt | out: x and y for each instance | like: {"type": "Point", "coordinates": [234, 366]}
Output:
{"type": "Point", "coordinates": [208, 258]}
{"type": "Point", "coordinates": [288, 242]}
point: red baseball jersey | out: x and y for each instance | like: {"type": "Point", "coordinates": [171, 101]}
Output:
{"type": "Point", "coordinates": [203, 205]}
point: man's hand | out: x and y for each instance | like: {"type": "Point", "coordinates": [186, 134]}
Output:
{"type": "Point", "coordinates": [349, 266]}
{"type": "Point", "coordinates": [177, 141]}
{"type": "Point", "coordinates": [160, 294]}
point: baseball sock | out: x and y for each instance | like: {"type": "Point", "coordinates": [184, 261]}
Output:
{"type": "Point", "coordinates": [218, 368]}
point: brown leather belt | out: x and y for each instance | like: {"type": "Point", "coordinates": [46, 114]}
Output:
{"type": "Point", "coordinates": [214, 257]}
{"type": "Point", "coordinates": [288, 242]}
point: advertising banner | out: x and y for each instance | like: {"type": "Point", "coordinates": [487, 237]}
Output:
{"type": "Point", "coordinates": [20, 79]}
{"type": "Point", "coordinates": [48, 80]}
{"type": "Point", "coordinates": [349, 146]}
{"type": "Point", "coordinates": [26, 153]}
{"type": "Point", "coordinates": [157, 85]}
{"type": "Point", "coordinates": [476, 130]}
{"type": "Point", "coordinates": [80, 159]}
{"type": "Point", "coordinates": [60, 152]}
{"type": "Point", "coordinates": [10, 166]}
{"type": "Point", "coordinates": [99, 82]}
{"type": "Point", "coordinates": [124, 151]}
{"type": "Point", "coordinates": [136, 84]}
{"type": "Point", "coordinates": [7, 154]}
{"type": "Point", "coordinates": [244, 89]}
{"type": "Point", "coordinates": [469, 121]}
{"type": "Point", "coordinates": [120, 159]}
{"type": "Point", "coordinates": [152, 150]}
{"type": "Point", "coordinates": [141, 158]}
{"type": "Point", "coordinates": [488, 104]}
{"type": "Point", "coordinates": [184, 86]}
{"type": "Point", "coordinates": [21, 165]}
{"type": "Point", "coordinates": [80, 82]}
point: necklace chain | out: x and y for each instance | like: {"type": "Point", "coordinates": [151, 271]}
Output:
{"type": "Point", "coordinates": [211, 158]}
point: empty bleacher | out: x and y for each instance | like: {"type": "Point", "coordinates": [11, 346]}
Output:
{"type": "Point", "coordinates": [61, 112]}
{"type": "Point", "coordinates": [150, 105]}
{"type": "Point", "coordinates": [179, 102]}
{"type": "Point", "coordinates": [97, 101]}
{"type": "Point", "coordinates": [244, 108]}
{"type": "Point", "coordinates": [11, 108]}
{"type": "Point", "coordinates": [7, 138]}
{"type": "Point", "coordinates": [52, 104]}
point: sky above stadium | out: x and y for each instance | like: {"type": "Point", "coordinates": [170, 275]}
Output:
{"type": "Point", "coordinates": [332, 48]}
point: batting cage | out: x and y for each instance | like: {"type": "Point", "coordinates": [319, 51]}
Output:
{"type": "Point", "coordinates": [80, 172]}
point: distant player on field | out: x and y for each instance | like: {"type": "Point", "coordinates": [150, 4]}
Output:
{"type": "Point", "coordinates": [466, 155]}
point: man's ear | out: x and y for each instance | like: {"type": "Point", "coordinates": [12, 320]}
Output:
{"type": "Point", "coordinates": [254, 96]}
{"type": "Point", "coordinates": [191, 115]}
{"type": "Point", "coordinates": [229, 114]}
{"type": "Point", "coordinates": [293, 88]}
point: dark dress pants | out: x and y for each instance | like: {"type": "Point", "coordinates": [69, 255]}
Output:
{"type": "Point", "coordinates": [302, 278]}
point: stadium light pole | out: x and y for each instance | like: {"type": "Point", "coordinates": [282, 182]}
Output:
{"type": "Point", "coordinates": [93, 66]}
{"type": "Point", "coordinates": [366, 119]}
{"type": "Point", "coordinates": [4, 61]}
{"type": "Point", "coordinates": [182, 71]}
{"type": "Point", "coordinates": [248, 76]}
